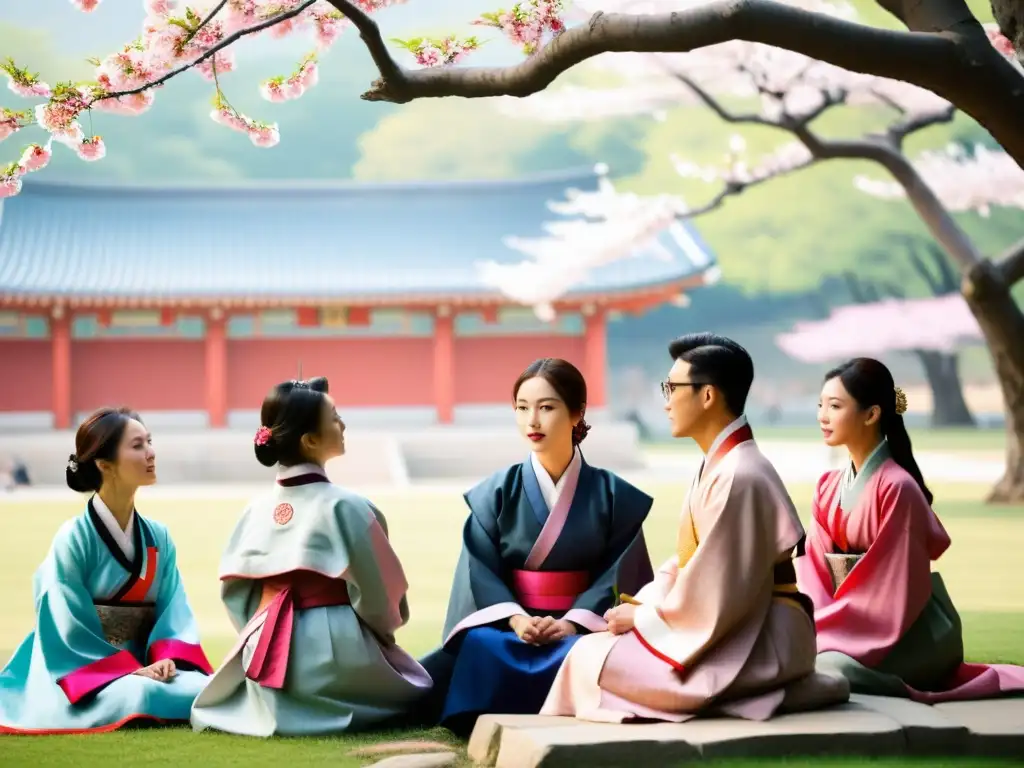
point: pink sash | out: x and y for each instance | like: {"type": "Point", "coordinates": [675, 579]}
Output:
{"type": "Point", "coordinates": [549, 590]}
{"type": "Point", "coordinates": [282, 597]}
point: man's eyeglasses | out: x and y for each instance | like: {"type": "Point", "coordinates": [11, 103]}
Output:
{"type": "Point", "coordinates": [668, 387]}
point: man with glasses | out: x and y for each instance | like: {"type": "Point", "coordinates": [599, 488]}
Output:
{"type": "Point", "coordinates": [722, 628]}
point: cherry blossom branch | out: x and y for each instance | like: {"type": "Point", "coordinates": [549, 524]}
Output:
{"type": "Point", "coordinates": [983, 84]}
{"type": "Point", "coordinates": [209, 52]}
{"type": "Point", "coordinates": [1011, 263]}
{"type": "Point", "coordinates": [369, 31]}
{"type": "Point", "coordinates": [209, 17]}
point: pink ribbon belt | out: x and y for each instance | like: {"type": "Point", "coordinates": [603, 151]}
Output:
{"type": "Point", "coordinates": [549, 590]}
{"type": "Point", "coordinates": [270, 659]}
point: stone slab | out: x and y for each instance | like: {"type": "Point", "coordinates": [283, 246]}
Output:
{"type": "Point", "coordinates": [406, 746]}
{"type": "Point", "coordinates": [926, 730]}
{"type": "Point", "coordinates": [842, 730]}
{"type": "Point", "coordinates": [995, 726]}
{"type": "Point", "coordinates": [486, 737]}
{"type": "Point", "coordinates": [425, 760]}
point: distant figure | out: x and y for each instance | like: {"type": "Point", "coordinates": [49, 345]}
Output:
{"type": "Point", "coordinates": [545, 547]}
{"type": "Point", "coordinates": [19, 473]}
{"type": "Point", "coordinates": [884, 619]}
{"type": "Point", "coordinates": [315, 590]}
{"type": "Point", "coordinates": [722, 628]}
{"type": "Point", "coordinates": [115, 639]}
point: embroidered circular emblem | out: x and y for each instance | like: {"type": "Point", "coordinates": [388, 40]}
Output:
{"type": "Point", "coordinates": [283, 513]}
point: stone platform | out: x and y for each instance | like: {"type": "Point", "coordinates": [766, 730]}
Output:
{"type": "Point", "coordinates": [865, 726]}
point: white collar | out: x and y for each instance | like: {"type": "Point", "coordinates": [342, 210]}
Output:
{"type": "Point", "coordinates": [124, 539]}
{"type": "Point", "coordinates": [300, 469]}
{"type": "Point", "coordinates": [549, 489]}
{"type": "Point", "coordinates": [733, 426]}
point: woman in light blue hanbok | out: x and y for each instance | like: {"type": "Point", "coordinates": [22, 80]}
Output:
{"type": "Point", "coordinates": [115, 640]}
{"type": "Point", "coordinates": [315, 590]}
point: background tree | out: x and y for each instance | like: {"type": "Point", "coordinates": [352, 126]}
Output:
{"type": "Point", "coordinates": [793, 92]}
{"type": "Point", "coordinates": [888, 319]}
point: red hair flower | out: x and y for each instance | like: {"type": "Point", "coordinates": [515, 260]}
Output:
{"type": "Point", "coordinates": [262, 435]}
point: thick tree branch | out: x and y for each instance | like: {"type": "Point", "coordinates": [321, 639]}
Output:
{"type": "Point", "coordinates": [959, 65]}
{"type": "Point", "coordinates": [1011, 263]}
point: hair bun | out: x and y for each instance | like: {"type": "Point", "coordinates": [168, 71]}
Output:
{"type": "Point", "coordinates": [579, 432]}
{"type": "Point", "coordinates": [267, 454]}
{"type": "Point", "coordinates": [83, 476]}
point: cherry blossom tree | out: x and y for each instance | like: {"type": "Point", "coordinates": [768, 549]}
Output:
{"type": "Point", "coordinates": [879, 317]}
{"type": "Point", "coordinates": [931, 328]}
{"type": "Point", "coordinates": [599, 228]}
{"type": "Point", "coordinates": [792, 91]}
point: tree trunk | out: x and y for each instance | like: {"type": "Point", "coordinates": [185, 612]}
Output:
{"type": "Point", "coordinates": [942, 369]}
{"type": "Point", "coordinates": [1002, 324]}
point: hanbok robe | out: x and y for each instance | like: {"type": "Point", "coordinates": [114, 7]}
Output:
{"type": "Point", "coordinates": [885, 621]}
{"type": "Point", "coordinates": [721, 628]}
{"type": "Point", "coordinates": [316, 592]}
{"type": "Point", "coordinates": [533, 547]}
{"type": "Point", "coordinates": [108, 602]}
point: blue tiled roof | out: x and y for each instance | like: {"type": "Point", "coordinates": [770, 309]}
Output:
{"type": "Point", "coordinates": [305, 240]}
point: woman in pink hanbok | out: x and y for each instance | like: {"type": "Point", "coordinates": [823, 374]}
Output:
{"type": "Point", "coordinates": [884, 620]}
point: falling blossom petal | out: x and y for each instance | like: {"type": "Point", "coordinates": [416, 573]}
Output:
{"type": "Point", "coordinates": [86, 5]}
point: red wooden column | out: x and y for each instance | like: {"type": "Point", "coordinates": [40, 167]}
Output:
{"type": "Point", "coordinates": [444, 365]}
{"type": "Point", "coordinates": [216, 343]}
{"type": "Point", "coordinates": [60, 345]}
{"type": "Point", "coordinates": [595, 354]}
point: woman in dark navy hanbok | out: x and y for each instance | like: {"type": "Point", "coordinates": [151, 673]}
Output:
{"type": "Point", "coordinates": [547, 544]}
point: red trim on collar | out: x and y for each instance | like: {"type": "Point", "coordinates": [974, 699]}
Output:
{"type": "Point", "coordinates": [741, 435]}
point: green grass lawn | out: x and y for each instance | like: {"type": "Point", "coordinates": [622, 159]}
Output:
{"type": "Point", "coordinates": [425, 528]}
{"type": "Point", "coordinates": [954, 440]}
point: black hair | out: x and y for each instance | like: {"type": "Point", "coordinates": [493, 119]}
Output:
{"type": "Point", "coordinates": [290, 410]}
{"type": "Point", "coordinates": [98, 437]}
{"type": "Point", "coordinates": [718, 361]}
{"type": "Point", "coordinates": [870, 382]}
{"type": "Point", "coordinates": [566, 379]}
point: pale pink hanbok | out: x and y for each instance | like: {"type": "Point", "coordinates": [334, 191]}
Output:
{"type": "Point", "coordinates": [884, 620]}
{"type": "Point", "coordinates": [722, 627]}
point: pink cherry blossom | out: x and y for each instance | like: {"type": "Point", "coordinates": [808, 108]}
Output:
{"type": "Point", "coordinates": [10, 185]}
{"type": "Point", "coordinates": [92, 149]}
{"type": "Point", "coordinates": [29, 91]}
{"type": "Point", "coordinates": [12, 121]}
{"type": "Point", "coordinates": [527, 23]}
{"type": "Point", "coordinates": [159, 7]}
{"type": "Point", "coordinates": [85, 5]}
{"type": "Point", "coordinates": [35, 158]}
{"type": "Point", "coordinates": [273, 90]}
{"type": "Point", "coordinates": [263, 135]}
{"type": "Point", "coordinates": [940, 323]}
{"type": "Point", "coordinates": [132, 104]}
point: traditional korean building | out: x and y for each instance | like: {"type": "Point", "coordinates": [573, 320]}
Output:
{"type": "Point", "coordinates": [190, 302]}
